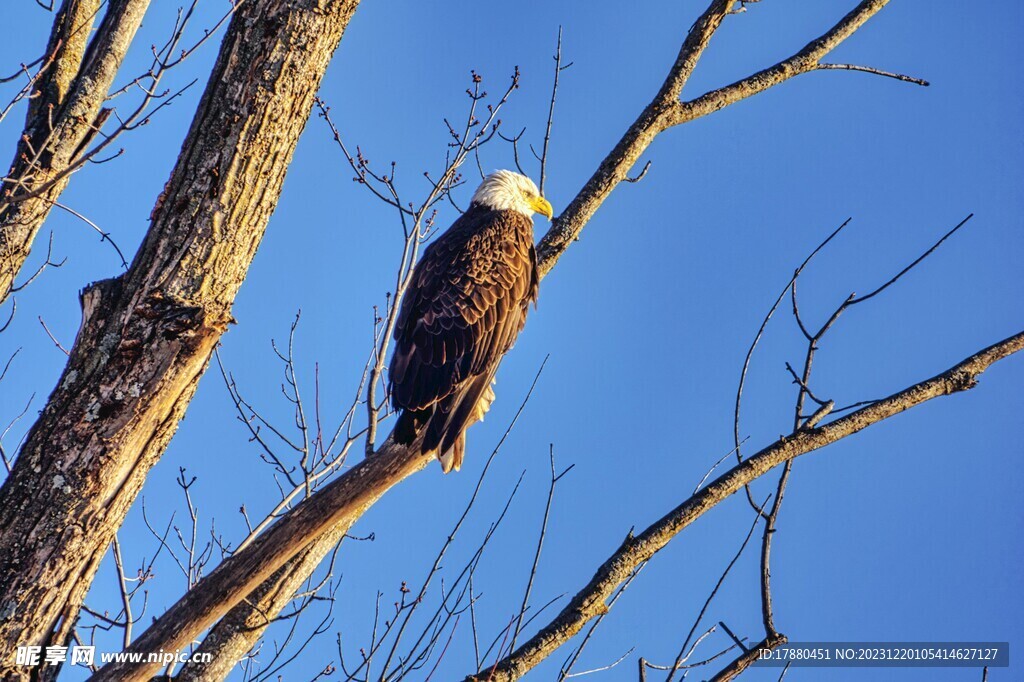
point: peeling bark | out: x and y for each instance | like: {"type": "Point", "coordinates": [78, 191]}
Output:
{"type": "Point", "coordinates": [235, 634]}
{"type": "Point", "coordinates": [147, 336]}
{"type": "Point", "coordinates": [256, 568]}
{"type": "Point", "coordinates": [60, 122]}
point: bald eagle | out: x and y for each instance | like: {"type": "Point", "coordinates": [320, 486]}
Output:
{"type": "Point", "coordinates": [464, 307]}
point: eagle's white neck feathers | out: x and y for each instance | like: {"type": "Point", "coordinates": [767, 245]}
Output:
{"type": "Point", "coordinates": [504, 190]}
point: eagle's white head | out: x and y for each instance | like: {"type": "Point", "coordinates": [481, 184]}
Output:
{"type": "Point", "coordinates": [504, 190]}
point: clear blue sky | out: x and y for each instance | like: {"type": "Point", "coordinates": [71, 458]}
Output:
{"type": "Point", "coordinates": [910, 530]}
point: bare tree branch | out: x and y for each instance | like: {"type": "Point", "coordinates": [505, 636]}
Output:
{"type": "Point", "coordinates": [877, 72]}
{"type": "Point", "coordinates": [555, 477]}
{"type": "Point", "coordinates": [790, 286]}
{"type": "Point", "coordinates": [63, 121]}
{"type": "Point", "coordinates": [666, 111]}
{"type": "Point", "coordinates": [685, 650]}
{"type": "Point", "coordinates": [590, 601]}
{"type": "Point", "coordinates": [241, 574]}
{"type": "Point", "coordinates": [748, 658]}
{"type": "Point", "coordinates": [551, 115]}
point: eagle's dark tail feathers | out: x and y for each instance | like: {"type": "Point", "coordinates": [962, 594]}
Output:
{"type": "Point", "coordinates": [445, 423]}
{"type": "Point", "coordinates": [468, 407]}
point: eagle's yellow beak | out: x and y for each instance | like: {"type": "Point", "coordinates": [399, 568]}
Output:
{"type": "Point", "coordinates": [542, 206]}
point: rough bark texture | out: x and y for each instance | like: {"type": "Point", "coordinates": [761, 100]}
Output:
{"type": "Point", "coordinates": [666, 111]}
{"type": "Point", "coordinates": [590, 602]}
{"type": "Point", "coordinates": [336, 507]}
{"type": "Point", "coordinates": [237, 632]}
{"type": "Point", "coordinates": [72, 26]}
{"type": "Point", "coordinates": [749, 657]}
{"type": "Point", "coordinates": [147, 336]}
{"type": "Point", "coordinates": [61, 120]}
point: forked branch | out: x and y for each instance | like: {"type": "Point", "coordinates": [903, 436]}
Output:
{"type": "Point", "coordinates": [666, 111]}
{"type": "Point", "coordinates": [590, 601]}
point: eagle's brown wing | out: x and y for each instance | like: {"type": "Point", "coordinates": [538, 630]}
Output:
{"type": "Point", "coordinates": [464, 307]}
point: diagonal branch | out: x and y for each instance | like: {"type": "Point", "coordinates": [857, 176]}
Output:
{"type": "Point", "coordinates": [666, 111]}
{"type": "Point", "coordinates": [590, 601]}
{"type": "Point", "coordinates": [68, 39]}
{"type": "Point", "coordinates": [652, 120]}
{"type": "Point", "coordinates": [748, 658]}
{"type": "Point", "coordinates": [61, 125]}
{"type": "Point", "coordinates": [804, 61]}
{"type": "Point", "coordinates": [237, 632]}
{"type": "Point", "coordinates": [877, 72]}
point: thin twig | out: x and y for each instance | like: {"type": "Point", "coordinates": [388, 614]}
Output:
{"type": "Point", "coordinates": [757, 338]}
{"type": "Point", "coordinates": [707, 602]}
{"type": "Point", "coordinates": [551, 113]}
{"type": "Point", "coordinates": [540, 544]}
{"type": "Point", "coordinates": [877, 72]}
{"type": "Point", "coordinates": [52, 337]}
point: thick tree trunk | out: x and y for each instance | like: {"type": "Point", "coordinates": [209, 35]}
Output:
{"type": "Point", "coordinates": [147, 336]}
{"type": "Point", "coordinates": [61, 119]}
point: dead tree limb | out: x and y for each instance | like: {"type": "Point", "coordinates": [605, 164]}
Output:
{"type": "Point", "coordinates": [748, 658]}
{"type": "Point", "coordinates": [590, 601]}
{"type": "Point", "coordinates": [238, 631]}
{"type": "Point", "coordinates": [334, 509]}
{"type": "Point", "coordinates": [666, 111]}
{"type": "Point", "coordinates": [62, 120]}
{"type": "Point", "coordinates": [148, 335]}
